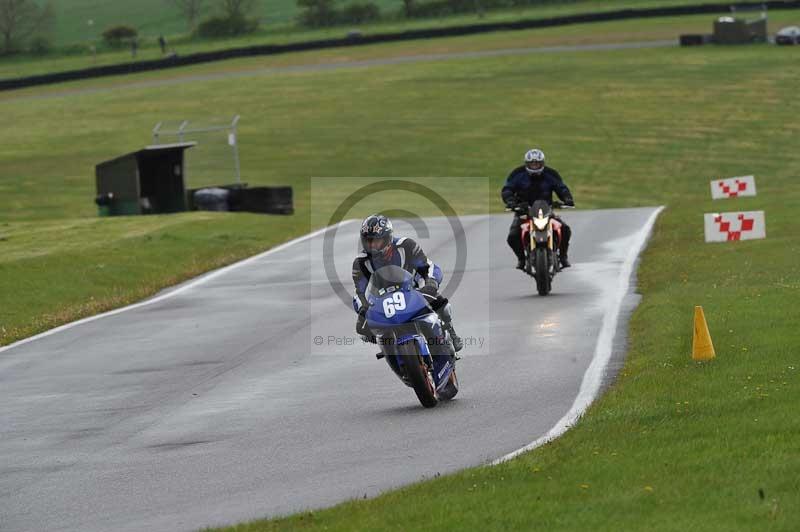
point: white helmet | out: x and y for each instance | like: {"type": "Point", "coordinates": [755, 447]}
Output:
{"type": "Point", "coordinates": [534, 161]}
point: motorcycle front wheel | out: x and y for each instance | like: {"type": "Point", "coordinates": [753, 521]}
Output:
{"type": "Point", "coordinates": [418, 375]}
{"type": "Point", "coordinates": [542, 272]}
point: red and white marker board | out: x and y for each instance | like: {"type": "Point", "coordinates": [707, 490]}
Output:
{"type": "Point", "coordinates": [733, 187]}
{"type": "Point", "coordinates": [728, 226]}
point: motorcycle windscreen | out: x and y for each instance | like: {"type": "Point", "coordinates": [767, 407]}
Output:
{"type": "Point", "coordinates": [541, 205]}
{"type": "Point", "coordinates": [392, 298]}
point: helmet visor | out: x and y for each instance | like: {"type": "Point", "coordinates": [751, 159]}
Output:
{"type": "Point", "coordinates": [374, 243]}
{"type": "Point", "coordinates": [535, 166]}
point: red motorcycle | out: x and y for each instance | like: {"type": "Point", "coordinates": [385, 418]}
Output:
{"type": "Point", "coordinates": [541, 242]}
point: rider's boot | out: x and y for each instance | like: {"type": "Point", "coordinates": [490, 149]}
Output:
{"type": "Point", "coordinates": [447, 322]}
{"type": "Point", "coordinates": [563, 256]}
{"type": "Point", "coordinates": [458, 343]}
{"type": "Point", "coordinates": [521, 263]}
{"type": "Point", "coordinates": [564, 246]}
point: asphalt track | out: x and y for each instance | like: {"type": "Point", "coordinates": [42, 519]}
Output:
{"type": "Point", "coordinates": [217, 402]}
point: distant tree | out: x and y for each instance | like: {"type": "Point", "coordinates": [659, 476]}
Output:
{"type": "Point", "coordinates": [237, 9]}
{"type": "Point", "coordinates": [316, 13]}
{"type": "Point", "coordinates": [22, 19]}
{"type": "Point", "coordinates": [216, 27]}
{"type": "Point", "coordinates": [408, 7]}
{"type": "Point", "coordinates": [233, 18]}
{"type": "Point", "coordinates": [190, 9]}
{"type": "Point", "coordinates": [479, 8]}
{"type": "Point", "coordinates": [117, 36]}
{"type": "Point", "coordinates": [359, 13]}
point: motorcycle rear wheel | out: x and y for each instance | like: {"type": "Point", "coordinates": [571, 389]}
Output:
{"type": "Point", "coordinates": [528, 262]}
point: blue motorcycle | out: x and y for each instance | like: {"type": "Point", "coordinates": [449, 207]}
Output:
{"type": "Point", "coordinates": [412, 340]}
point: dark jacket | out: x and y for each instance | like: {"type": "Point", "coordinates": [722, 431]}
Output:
{"type": "Point", "coordinates": [523, 187]}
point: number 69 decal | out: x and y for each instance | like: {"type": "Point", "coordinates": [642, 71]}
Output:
{"type": "Point", "coordinates": [392, 304]}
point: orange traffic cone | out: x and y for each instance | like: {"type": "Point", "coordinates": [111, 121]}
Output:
{"type": "Point", "coordinates": [702, 347]}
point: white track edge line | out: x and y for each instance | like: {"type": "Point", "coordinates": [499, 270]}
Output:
{"type": "Point", "coordinates": [593, 378]}
{"type": "Point", "coordinates": [203, 278]}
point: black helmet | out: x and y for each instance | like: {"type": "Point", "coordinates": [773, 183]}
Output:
{"type": "Point", "coordinates": [376, 234]}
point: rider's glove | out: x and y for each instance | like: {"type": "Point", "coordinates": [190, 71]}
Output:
{"type": "Point", "coordinates": [430, 290]}
{"type": "Point", "coordinates": [361, 323]}
{"type": "Point", "coordinates": [438, 303]}
{"type": "Point", "coordinates": [363, 331]}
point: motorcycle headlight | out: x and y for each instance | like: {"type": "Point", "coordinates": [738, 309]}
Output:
{"type": "Point", "coordinates": [540, 223]}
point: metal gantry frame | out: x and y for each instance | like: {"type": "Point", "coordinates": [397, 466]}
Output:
{"type": "Point", "coordinates": [184, 129]}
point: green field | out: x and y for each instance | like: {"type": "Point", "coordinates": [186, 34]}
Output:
{"type": "Point", "coordinates": [673, 445]}
{"type": "Point", "coordinates": [157, 17]}
{"type": "Point", "coordinates": [73, 35]}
